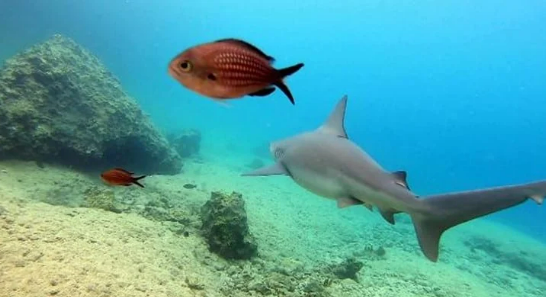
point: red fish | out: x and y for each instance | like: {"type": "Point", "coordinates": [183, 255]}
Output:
{"type": "Point", "coordinates": [121, 177]}
{"type": "Point", "coordinates": [229, 69]}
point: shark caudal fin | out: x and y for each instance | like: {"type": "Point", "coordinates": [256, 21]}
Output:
{"type": "Point", "coordinates": [448, 210]}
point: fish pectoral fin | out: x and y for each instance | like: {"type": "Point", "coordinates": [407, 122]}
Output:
{"type": "Point", "coordinates": [343, 202]}
{"type": "Point", "coordinates": [275, 169]}
{"type": "Point", "coordinates": [263, 92]}
{"type": "Point", "coordinates": [221, 102]}
{"type": "Point", "coordinates": [400, 178]}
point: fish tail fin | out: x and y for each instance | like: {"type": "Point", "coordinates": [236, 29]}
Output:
{"type": "Point", "coordinates": [441, 212]}
{"type": "Point", "coordinates": [136, 179]}
{"type": "Point", "coordinates": [283, 73]}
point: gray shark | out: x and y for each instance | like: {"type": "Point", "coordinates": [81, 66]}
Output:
{"type": "Point", "coordinates": [327, 163]}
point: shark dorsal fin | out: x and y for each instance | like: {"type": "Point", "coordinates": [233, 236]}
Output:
{"type": "Point", "coordinates": [335, 123]}
{"type": "Point", "coordinates": [400, 178]}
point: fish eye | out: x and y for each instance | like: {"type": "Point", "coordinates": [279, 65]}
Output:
{"type": "Point", "coordinates": [186, 66]}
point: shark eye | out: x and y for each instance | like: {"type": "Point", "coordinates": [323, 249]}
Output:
{"type": "Point", "coordinates": [186, 66]}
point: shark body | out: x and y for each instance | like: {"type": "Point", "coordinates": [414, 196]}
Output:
{"type": "Point", "coordinates": [326, 162]}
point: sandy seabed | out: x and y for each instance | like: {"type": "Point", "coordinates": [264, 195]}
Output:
{"type": "Point", "coordinates": [68, 250]}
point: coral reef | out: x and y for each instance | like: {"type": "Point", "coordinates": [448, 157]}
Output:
{"type": "Point", "coordinates": [59, 104]}
{"type": "Point", "coordinates": [224, 226]}
{"type": "Point", "coordinates": [187, 143]}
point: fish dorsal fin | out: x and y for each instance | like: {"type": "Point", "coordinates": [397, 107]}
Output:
{"type": "Point", "coordinates": [335, 123]}
{"type": "Point", "coordinates": [400, 178]}
{"type": "Point", "coordinates": [248, 46]}
{"type": "Point", "coordinates": [123, 170]}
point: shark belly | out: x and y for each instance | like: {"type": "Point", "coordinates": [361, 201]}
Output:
{"type": "Point", "coordinates": [320, 184]}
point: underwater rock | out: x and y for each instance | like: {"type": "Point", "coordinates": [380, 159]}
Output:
{"type": "Point", "coordinates": [225, 228]}
{"type": "Point", "coordinates": [380, 251]}
{"type": "Point", "coordinates": [59, 104]}
{"type": "Point", "coordinates": [346, 269]}
{"type": "Point", "coordinates": [262, 278]}
{"type": "Point", "coordinates": [187, 143]}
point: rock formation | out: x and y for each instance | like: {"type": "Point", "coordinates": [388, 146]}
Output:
{"type": "Point", "coordinates": [58, 103]}
{"type": "Point", "coordinates": [186, 143]}
{"type": "Point", "coordinates": [225, 226]}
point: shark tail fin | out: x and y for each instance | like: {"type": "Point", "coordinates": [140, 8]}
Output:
{"type": "Point", "coordinates": [442, 212]}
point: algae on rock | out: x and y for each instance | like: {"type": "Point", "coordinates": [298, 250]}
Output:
{"type": "Point", "coordinates": [58, 103]}
{"type": "Point", "coordinates": [225, 228]}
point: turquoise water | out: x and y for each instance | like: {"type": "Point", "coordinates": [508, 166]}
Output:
{"type": "Point", "coordinates": [453, 92]}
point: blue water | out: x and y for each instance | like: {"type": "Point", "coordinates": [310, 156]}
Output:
{"type": "Point", "coordinates": [454, 92]}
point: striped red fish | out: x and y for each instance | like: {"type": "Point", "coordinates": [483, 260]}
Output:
{"type": "Point", "coordinates": [229, 69]}
{"type": "Point", "coordinates": [121, 177]}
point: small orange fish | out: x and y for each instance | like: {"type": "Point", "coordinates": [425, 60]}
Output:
{"type": "Point", "coordinates": [229, 69]}
{"type": "Point", "coordinates": [121, 177]}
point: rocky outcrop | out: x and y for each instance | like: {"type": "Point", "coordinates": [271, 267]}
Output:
{"type": "Point", "coordinates": [186, 143]}
{"type": "Point", "coordinates": [225, 226]}
{"type": "Point", "coordinates": [58, 103]}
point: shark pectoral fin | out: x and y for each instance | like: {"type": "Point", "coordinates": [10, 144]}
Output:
{"type": "Point", "coordinates": [275, 169]}
{"type": "Point", "coordinates": [334, 125]}
{"type": "Point", "coordinates": [343, 202]}
{"type": "Point", "coordinates": [400, 178]}
{"type": "Point", "coordinates": [388, 215]}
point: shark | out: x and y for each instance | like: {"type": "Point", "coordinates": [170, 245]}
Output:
{"type": "Point", "coordinates": [327, 163]}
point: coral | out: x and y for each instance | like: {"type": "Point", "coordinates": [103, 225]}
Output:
{"type": "Point", "coordinates": [224, 226]}
{"type": "Point", "coordinates": [187, 143]}
{"type": "Point", "coordinates": [58, 103]}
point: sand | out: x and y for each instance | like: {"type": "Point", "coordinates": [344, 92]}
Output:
{"type": "Point", "coordinates": [69, 250]}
